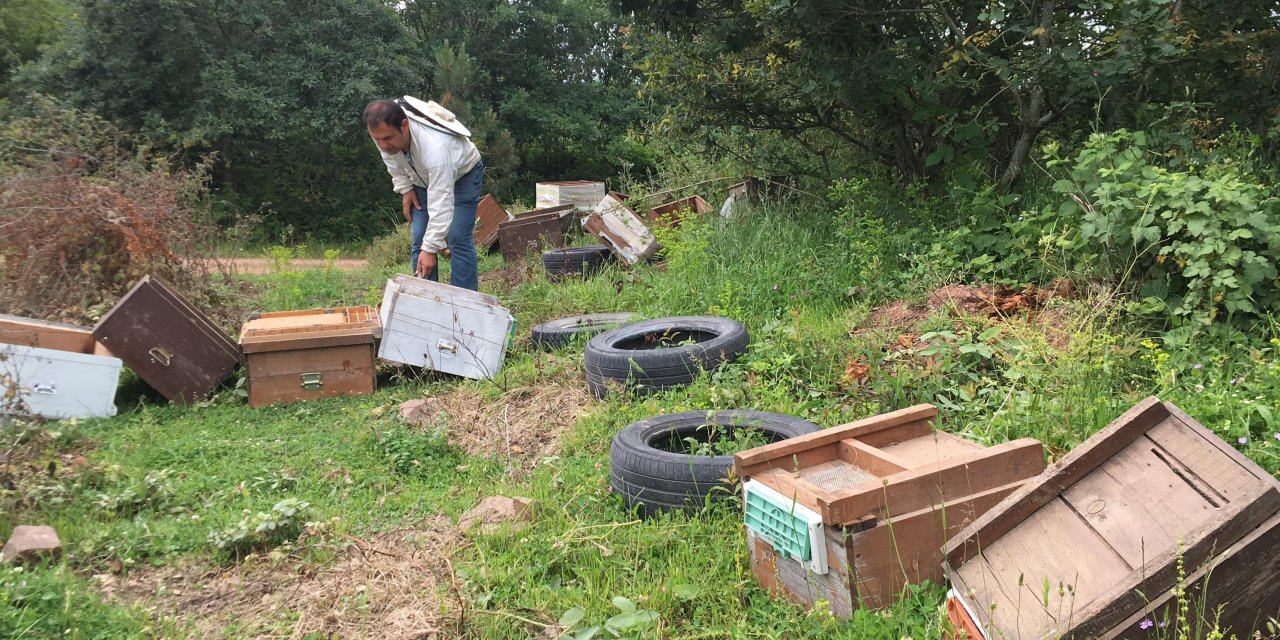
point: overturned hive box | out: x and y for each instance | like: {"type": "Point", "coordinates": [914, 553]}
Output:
{"type": "Point", "coordinates": [619, 228]}
{"type": "Point", "coordinates": [1095, 544]}
{"type": "Point", "coordinates": [445, 328]}
{"type": "Point", "coordinates": [170, 344]}
{"type": "Point", "coordinates": [304, 355]}
{"type": "Point", "coordinates": [55, 370]}
{"type": "Point", "coordinates": [668, 215]}
{"type": "Point", "coordinates": [535, 231]}
{"type": "Point", "coordinates": [852, 514]}
{"type": "Point", "coordinates": [489, 215]}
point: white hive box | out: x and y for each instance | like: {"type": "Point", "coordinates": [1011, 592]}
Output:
{"type": "Point", "coordinates": [618, 226]}
{"type": "Point", "coordinates": [57, 384]}
{"type": "Point", "coordinates": [445, 328]}
{"type": "Point", "coordinates": [584, 195]}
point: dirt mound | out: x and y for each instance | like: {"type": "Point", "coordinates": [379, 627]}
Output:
{"type": "Point", "coordinates": [523, 424]}
{"type": "Point", "coordinates": [386, 587]}
{"type": "Point", "coordinates": [989, 301]}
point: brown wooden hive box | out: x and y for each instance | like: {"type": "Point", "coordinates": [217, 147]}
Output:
{"type": "Point", "coordinates": [888, 492]}
{"type": "Point", "coordinates": [170, 344]}
{"type": "Point", "coordinates": [304, 355]}
{"type": "Point", "coordinates": [1093, 546]}
{"type": "Point", "coordinates": [534, 231]}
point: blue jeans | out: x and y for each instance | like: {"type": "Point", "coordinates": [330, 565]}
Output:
{"type": "Point", "coordinates": [461, 236]}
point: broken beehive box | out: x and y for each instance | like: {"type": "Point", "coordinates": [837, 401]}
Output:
{"type": "Point", "coordinates": [489, 214]}
{"type": "Point", "coordinates": [618, 226]}
{"type": "Point", "coordinates": [534, 231]}
{"type": "Point", "coordinates": [1094, 545]}
{"type": "Point", "coordinates": [170, 344]}
{"type": "Point", "coordinates": [852, 514]}
{"type": "Point", "coordinates": [581, 194]}
{"type": "Point", "coordinates": [304, 355]}
{"type": "Point", "coordinates": [668, 215]}
{"type": "Point", "coordinates": [445, 328]}
{"type": "Point", "coordinates": [54, 370]}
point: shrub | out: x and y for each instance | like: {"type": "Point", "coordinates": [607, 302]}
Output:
{"type": "Point", "coordinates": [86, 211]}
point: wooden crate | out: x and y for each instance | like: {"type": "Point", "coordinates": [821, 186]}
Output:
{"type": "Point", "coordinates": [169, 343]}
{"type": "Point", "coordinates": [445, 328]}
{"type": "Point", "coordinates": [303, 355]}
{"type": "Point", "coordinates": [618, 227]}
{"type": "Point", "coordinates": [666, 214]}
{"type": "Point", "coordinates": [57, 383]}
{"type": "Point", "coordinates": [534, 231]}
{"type": "Point", "coordinates": [1100, 535]}
{"type": "Point", "coordinates": [489, 214]}
{"type": "Point", "coordinates": [889, 491]}
{"type": "Point", "coordinates": [580, 194]}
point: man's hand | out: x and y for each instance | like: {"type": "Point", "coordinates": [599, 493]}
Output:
{"type": "Point", "coordinates": [410, 198]}
{"type": "Point", "coordinates": [426, 263]}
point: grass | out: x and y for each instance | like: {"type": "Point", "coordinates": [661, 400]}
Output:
{"type": "Point", "coordinates": [157, 486]}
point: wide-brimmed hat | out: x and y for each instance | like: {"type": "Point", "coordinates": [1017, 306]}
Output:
{"type": "Point", "coordinates": [431, 113]}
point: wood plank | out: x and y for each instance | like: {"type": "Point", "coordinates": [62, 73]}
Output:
{"type": "Point", "coordinates": [287, 363]}
{"type": "Point", "coordinates": [1052, 547]}
{"type": "Point", "coordinates": [902, 433]}
{"type": "Point", "coordinates": [872, 424]}
{"type": "Point", "coordinates": [1197, 454]}
{"type": "Point", "coordinates": [1064, 473]}
{"type": "Point", "coordinates": [1239, 583]}
{"type": "Point", "coordinates": [793, 463]}
{"type": "Point", "coordinates": [931, 448]}
{"type": "Point", "coordinates": [802, 492]}
{"type": "Point", "coordinates": [939, 483]}
{"type": "Point", "coordinates": [908, 549]}
{"type": "Point", "coordinates": [1139, 504]}
{"type": "Point", "coordinates": [874, 460]}
{"type": "Point", "coordinates": [1230, 524]}
{"type": "Point", "coordinates": [30, 332]}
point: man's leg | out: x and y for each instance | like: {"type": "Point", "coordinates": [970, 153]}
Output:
{"type": "Point", "coordinates": [463, 266]}
{"type": "Point", "coordinates": [418, 227]}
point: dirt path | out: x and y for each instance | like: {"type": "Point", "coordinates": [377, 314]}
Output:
{"type": "Point", "coordinates": [264, 265]}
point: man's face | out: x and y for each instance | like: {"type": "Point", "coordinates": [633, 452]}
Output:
{"type": "Point", "coordinates": [390, 139]}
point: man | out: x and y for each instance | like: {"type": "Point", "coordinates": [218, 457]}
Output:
{"type": "Point", "coordinates": [439, 174]}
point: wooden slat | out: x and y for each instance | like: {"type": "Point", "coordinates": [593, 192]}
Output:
{"type": "Point", "coordinates": [930, 448]}
{"type": "Point", "coordinates": [793, 488]}
{"type": "Point", "coordinates": [870, 458]}
{"type": "Point", "coordinates": [1126, 596]}
{"type": "Point", "coordinates": [1053, 546]}
{"type": "Point", "coordinates": [1066, 472]}
{"type": "Point", "coordinates": [795, 462]}
{"type": "Point", "coordinates": [900, 433]}
{"type": "Point", "coordinates": [922, 487]}
{"type": "Point", "coordinates": [908, 548]}
{"type": "Point", "coordinates": [30, 332]}
{"type": "Point", "coordinates": [786, 448]}
{"type": "Point", "coordinates": [1201, 455]}
{"type": "Point", "coordinates": [1139, 504]}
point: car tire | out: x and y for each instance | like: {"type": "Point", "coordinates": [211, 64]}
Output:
{"type": "Point", "coordinates": [661, 354]}
{"type": "Point", "coordinates": [554, 334]}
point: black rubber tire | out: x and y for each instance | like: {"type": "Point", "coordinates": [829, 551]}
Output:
{"type": "Point", "coordinates": [638, 385]}
{"type": "Point", "coordinates": [576, 260]}
{"type": "Point", "coordinates": [621, 354]}
{"type": "Point", "coordinates": [659, 480]}
{"type": "Point", "coordinates": [553, 334]}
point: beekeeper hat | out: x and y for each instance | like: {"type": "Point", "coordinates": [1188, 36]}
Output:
{"type": "Point", "coordinates": [430, 113]}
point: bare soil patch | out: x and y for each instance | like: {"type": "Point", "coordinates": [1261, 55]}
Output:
{"type": "Point", "coordinates": [524, 424]}
{"type": "Point", "coordinates": [984, 301]}
{"type": "Point", "coordinates": [264, 265]}
{"type": "Point", "coordinates": [389, 586]}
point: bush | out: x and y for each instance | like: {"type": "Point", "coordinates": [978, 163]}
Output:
{"type": "Point", "coordinates": [1199, 240]}
{"type": "Point", "coordinates": [86, 211]}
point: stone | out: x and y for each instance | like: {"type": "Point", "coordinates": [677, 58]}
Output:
{"type": "Point", "coordinates": [409, 409]}
{"type": "Point", "coordinates": [493, 511]}
{"type": "Point", "coordinates": [30, 543]}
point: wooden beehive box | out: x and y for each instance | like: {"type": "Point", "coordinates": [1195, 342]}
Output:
{"type": "Point", "coordinates": [580, 194]}
{"type": "Point", "coordinates": [445, 328]}
{"type": "Point", "coordinates": [881, 496]}
{"type": "Point", "coordinates": [489, 214]}
{"type": "Point", "coordinates": [1093, 545]}
{"type": "Point", "coordinates": [618, 227]}
{"type": "Point", "coordinates": [534, 231]}
{"type": "Point", "coordinates": [667, 215]}
{"type": "Point", "coordinates": [303, 355]}
{"type": "Point", "coordinates": [169, 343]}
{"type": "Point", "coordinates": [55, 370]}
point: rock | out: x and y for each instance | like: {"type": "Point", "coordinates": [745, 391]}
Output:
{"type": "Point", "coordinates": [409, 409]}
{"type": "Point", "coordinates": [28, 544]}
{"type": "Point", "coordinates": [495, 510]}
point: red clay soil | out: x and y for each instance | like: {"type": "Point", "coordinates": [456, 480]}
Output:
{"type": "Point", "coordinates": [988, 301]}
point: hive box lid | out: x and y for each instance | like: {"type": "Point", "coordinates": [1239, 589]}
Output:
{"type": "Point", "coordinates": [45, 334]}
{"type": "Point", "coordinates": [1108, 526]}
{"type": "Point", "coordinates": [309, 329]}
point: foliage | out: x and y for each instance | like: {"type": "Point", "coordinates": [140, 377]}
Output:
{"type": "Point", "coordinates": [1200, 241]}
{"type": "Point", "coordinates": [25, 26]}
{"type": "Point", "coordinates": [415, 451]}
{"type": "Point", "coordinates": [263, 529]}
{"type": "Point", "coordinates": [52, 602]}
{"type": "Point", "coordinates": [87, 210]}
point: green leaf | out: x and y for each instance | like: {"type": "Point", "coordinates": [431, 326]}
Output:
{"type": "Point", "coordinates": [624, 604]}
{"type": "Point", "coordinates": [588, 633]}
{"type": "Point", "coordinates": [686, 591]}
{"type": "Point", "coordinates": [572, 617]}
